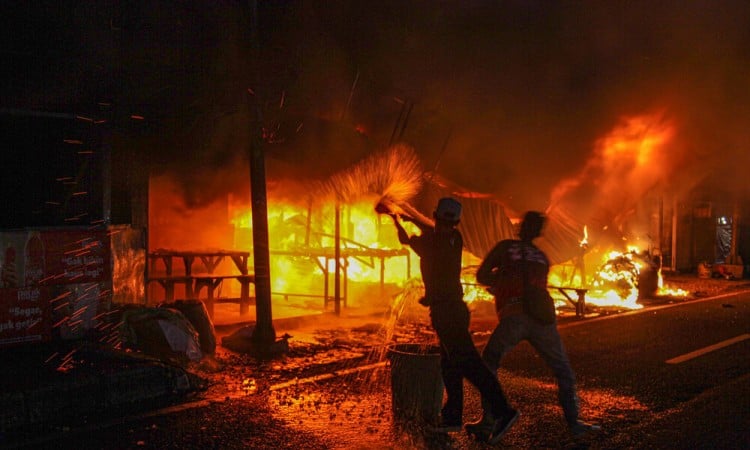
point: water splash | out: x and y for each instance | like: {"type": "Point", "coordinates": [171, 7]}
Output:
{"type": "Point", "coordinates": [409, 296]}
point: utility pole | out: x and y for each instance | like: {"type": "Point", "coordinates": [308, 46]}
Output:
{"type": "Point", "coordinates": [264, 335]}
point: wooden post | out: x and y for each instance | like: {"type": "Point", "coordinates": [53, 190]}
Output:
{"type": "Point", "coordinates": [675, 218]}
{"type": "Point", "coordinates": [264, 333]}
{"type": "Point", "coordinates": [337, 257]}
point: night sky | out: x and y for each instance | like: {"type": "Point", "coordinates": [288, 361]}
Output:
{"type": "Point", "coordinates": [508, 97]}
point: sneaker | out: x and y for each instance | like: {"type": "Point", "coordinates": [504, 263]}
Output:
{"type": "Point", "coordinates": [580, 428]}
{"type": "Point", "coordinates": [482, 428]}
{"type": "Point", "coordinates": [502, 425]}
{"type": "Point", "coordinates": [446, 425]}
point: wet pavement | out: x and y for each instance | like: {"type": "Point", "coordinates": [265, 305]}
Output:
{"type": "Point", "coordinates": [332, 390]}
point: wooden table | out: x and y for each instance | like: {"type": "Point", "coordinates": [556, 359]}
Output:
{"type": "Point", "coordinates": [194, 281]}
{"type": "Point", "coordinates": [579, 302]}
{"type": "Point", "coordinates": [209, 258]}
{"type": "Point", "coordinates": [211, 282]}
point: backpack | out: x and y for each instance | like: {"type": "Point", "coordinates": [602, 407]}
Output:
{"type": "Point", "coordinates": [536, 301]}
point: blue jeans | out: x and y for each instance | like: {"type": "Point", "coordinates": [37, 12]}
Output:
{"type": "Point", "coordinates": [546, 341]}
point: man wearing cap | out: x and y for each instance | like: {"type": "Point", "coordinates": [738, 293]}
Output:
{"type": "Point", "coordinates": [440, 249]}
{"type": "Point", "coordinates": [511, 269]}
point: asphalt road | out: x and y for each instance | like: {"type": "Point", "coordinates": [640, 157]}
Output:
{"type": "Point", "coordinates": [676, 376]}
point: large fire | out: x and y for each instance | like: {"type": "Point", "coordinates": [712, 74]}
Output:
{"type": "Point", "coordinates": [303, 229]}
{"type": "Point", "coordinates": [629, 162]}
{"type": "Point", "coordinates": [620, 280]}
{"type": "Point", "coordinates": [371, 253]}
{"type": "Point", "coordinates": [302, 243]}
{"type": "Point", "coordinates": [617, 281]}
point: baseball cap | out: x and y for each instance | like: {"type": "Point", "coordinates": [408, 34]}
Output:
{"type": "Point", "coordinates": [448, 209]}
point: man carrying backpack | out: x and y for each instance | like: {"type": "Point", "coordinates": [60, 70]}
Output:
{"type": "Point", "coordinates": [516, 272]}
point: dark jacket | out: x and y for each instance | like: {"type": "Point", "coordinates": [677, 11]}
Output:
{"type": "Point", "coordinates": [503, 272]}
{"type": "Point", "coordinates": [440, 263]}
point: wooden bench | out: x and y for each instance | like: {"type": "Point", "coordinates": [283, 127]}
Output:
{"type": "Point", "coordinates": [211, 282]}
{"type": "Point", "coordinates": [168, 282]}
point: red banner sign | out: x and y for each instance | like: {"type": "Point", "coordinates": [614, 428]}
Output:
{"type": "Point", "coordinates": [24, 315]}
{"type": "Point", "coordinates": [32, 258]}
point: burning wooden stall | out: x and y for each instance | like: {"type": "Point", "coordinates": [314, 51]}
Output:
{"type": "Point", "coordinates": [312, 225]}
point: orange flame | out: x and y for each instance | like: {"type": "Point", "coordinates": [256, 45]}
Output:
{"type": "Point", "coordinates": [667, 291]}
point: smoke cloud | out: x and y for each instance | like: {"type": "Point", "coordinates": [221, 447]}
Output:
{"type": "Point", "coordinates": [513, 98]}
{"type": "Point", "coordinates": [509, 98]}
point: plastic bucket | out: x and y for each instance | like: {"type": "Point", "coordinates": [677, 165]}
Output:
{"type": "Point", "coordinates": [416, 382]}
